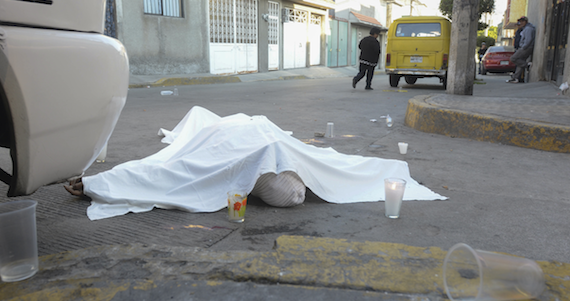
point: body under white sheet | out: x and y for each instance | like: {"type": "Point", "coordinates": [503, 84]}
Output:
{"type": "Point", "coordinates": [209, 155]}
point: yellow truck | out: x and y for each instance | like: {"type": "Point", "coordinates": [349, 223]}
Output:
{"type": "Point", "coordinates": [418, 47]}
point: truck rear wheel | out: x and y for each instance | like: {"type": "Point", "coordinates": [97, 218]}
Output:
{"type": "Point", "coordinates": [394, 80]}
{"type": "Point", "coordinates": [410, 80]}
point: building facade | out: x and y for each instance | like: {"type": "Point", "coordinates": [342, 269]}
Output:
{"type": "Point", "coordinates": [220, 36]}
{"type": "Point", "coordinates": [552, 21]}
{"type": "Point", "coordinates": [349, 23]}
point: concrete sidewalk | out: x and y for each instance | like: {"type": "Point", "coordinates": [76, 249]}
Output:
{"type": "Point", "coordinates": [143, 81]}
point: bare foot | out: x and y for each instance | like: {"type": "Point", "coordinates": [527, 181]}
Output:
{"type": "Point", "coordinates": [75, 187]}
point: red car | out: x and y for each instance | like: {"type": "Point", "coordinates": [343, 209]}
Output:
{"type": "Point", "coordinates": [497, 59]}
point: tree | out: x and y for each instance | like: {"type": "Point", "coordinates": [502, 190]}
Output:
{"type": "Point", "coordinates": [491, 32]}
{"type": "Point", "coordinates": [485, 6]}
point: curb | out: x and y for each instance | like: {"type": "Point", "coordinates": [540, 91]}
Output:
{"type": "Point", "coordinates": [100, 273]}
{"type": "Point", "coordinates": [426, 117]}
{"type": "Point", "coordinates": [208, 80]}
{"type": "Point", "coordinates": [184, 81]}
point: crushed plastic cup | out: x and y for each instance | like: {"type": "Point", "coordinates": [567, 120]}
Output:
{"type": "Point", "coordinates": [403, 146]}
{"type": "Point", "coordinates": [394, 192]}
{"type": "Point", "coordinates": [175, 91]}
{"type": "Point", "coordinates": [18, 240]}
{"type": "Point", "coordinates": [237, 201]}
{"type": "Point", "coordinates": [389, 122]}
{"type": "Point", "coordinates": [470, 274]}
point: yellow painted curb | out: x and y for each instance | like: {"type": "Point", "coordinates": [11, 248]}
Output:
{"type": "Point", "coordinates": [378, 266]}
{"type": "Point", "coordinates": [426, 117]}
{"type": "Point", "coordinates": [95, 273]}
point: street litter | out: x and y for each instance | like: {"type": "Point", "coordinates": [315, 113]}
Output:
{"type": "Point", "coordinates": [563, 88]}
{"type": "Point", "coordinates": [403, 146]}
{"type": "Point", "coordinates": [373, 120]}
{"type": "Point", "coordinates": [330, 130]}
{"type": "Point", "coordinates": [470, 274]}
{"type": "Point", "coordinates": [166, 92]}
{"type": "Point", "coordinates": [389, 121]}
{"type": "Point", "coordinates": [209, 155]}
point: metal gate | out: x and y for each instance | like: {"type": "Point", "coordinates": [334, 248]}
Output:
{"type": "Point", "coordinates": [273, 47]}
{"type": "Point", "coordinates": [233, 36]}
{"type": "Point", "coordinates": [558, 39]}
{"type": "Point", "coordinates": [315, 39]}
{"type": "Point", "coordinates": [295, 38]}
{"type": "Point", "coordinates": [338, 44]}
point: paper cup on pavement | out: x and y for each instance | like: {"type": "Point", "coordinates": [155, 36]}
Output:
{"type": "Point", "coordinates": [403, 146]}
{"type": "Point", "coordinates": [237, 201]}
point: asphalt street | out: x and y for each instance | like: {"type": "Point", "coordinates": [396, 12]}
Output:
{"type": "Point", "coordinates": [501, 198]}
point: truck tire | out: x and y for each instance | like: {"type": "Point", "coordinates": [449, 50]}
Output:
{"type": "Point", "coordinates": [410, 80]}
{"type": "Point", "coordinates": [394, 80]}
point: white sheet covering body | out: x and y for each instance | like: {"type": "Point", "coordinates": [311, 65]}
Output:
{"type": "Point", "coordinates": [209, 155]}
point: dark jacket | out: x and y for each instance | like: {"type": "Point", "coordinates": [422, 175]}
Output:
{"type": "Point", "coordinates": [518, 38]}
{"type": "Point", "coordinates": [370, 49]}
{"type": "Point", "coordinates": [527, 37]}
{"type": "Point", "coordinates": [482, 52]}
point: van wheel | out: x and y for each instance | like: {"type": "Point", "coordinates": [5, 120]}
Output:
{"type": "Point", "coordinates": [394, 80]}
{"type": "Point", "coordinates": [411, 80]}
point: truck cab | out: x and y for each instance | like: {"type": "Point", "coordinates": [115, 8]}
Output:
{"type": "Point", "coordinates": [418, 47]}
{"type": "Point", "coordinates": [63, 85]}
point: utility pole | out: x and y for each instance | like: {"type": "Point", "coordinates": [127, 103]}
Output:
{"type": "Point", "coordinates": [461, 71]}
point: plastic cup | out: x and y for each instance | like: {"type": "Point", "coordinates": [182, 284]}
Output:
{"type": "Point", "coordinates": [330, 130]}
{"type": "Point", "coordinates": [470, 274]}
{"type": "Point", "coordinates": [394, 191]}
{"type": "Point", "coordinates": [237, 201]}
{"type": "Point", "coordinates": [18, 240]}
{"type": "Point", "coordinates": [403, 146]}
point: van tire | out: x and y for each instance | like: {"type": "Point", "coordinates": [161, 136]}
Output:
{"type": "Point", "coordinates": [411, 80]}
{"type": "Point", "coordinates": [394, 80]}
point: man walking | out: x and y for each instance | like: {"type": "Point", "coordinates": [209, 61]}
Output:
{"type": "Point", "coordinates": [369, 54]}
{"type": "Point", "coordinates": [526, 47]}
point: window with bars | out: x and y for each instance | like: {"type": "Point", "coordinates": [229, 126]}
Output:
{"type": "Point", "coordinates": [233, 21]}
{"type": "Point", "coordinates": [169, 8]}
{"type": "Point", "coordinates": [273, 23]}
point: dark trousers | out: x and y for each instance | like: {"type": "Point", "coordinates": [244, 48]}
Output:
{"type": "Point", "coordinates": [520, 59]}
{"type": "Point", "coordinates": [368, 70]}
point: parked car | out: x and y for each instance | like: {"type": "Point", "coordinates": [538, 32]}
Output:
{"type": "Point", "coordinates": [63, 85]}
{"type": "Point", "coordinates": [418, 47]}
{"type": "Point", "coordinates": [497, 59]}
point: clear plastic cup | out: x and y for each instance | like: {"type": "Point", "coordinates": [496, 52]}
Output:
{"type": "Point", "coordinates": [18, 240]}
{"type": "Point", "coordinates": [394, 191]}
{"type": "Point", "coordinates": [237, 201]}
{"type": "Point", "coordinates": [470, 274]}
